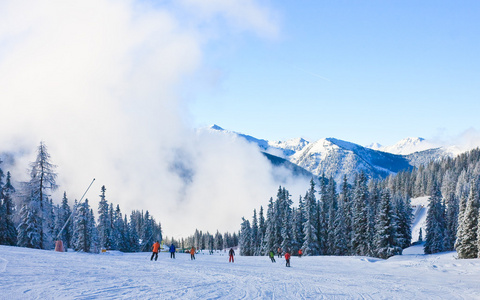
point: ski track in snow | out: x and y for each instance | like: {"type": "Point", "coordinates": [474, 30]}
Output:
{"type": "Point", "coordinates": [39, 274]}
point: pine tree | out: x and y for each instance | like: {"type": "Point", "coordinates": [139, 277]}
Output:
{"type": "Point", "coordinates": [322, 217]}
{"type": "Point", "coordinates": [451, 202]}
{"type": "Point", "coordinates": [347, 208]}
{"type": "Point", "coordinates": [341, 241]}
{"type": "Point", "coordinates": [8, 232]}
{"type": "Point", "coordinates": [360, 223]}
{"type": "Point", "coordinates": [435, 236]}
{"type": "Point", "coordinates": [286, 229]}
{"type": "Point", "coordinates": [332, 216]}
{"type": "Point", "coordinates": [104, 222]}
{"type": "Point", "coordinates": [66, 223]}
{"type": "Point", "coordinates": [468, 246]}
{"type": "Point", "coordinates": [255, 235]}
{"type": "Point", "coordinates": [42, 179]}
{"type": "Point", "coordinates": [385, 242]}
{"type": "Point", "coordinates": [261, 231]}
{"type": "Point", "coordinates": [310, 246]}
{"type": "Point", "coordinates": [403, 213]}
{"type": "Point", "coordinates": [245, 240]}
{"type": "Point", "coordinates": [28, 229]}
{"type": "Point", "coordinates": [269, 240]}
{"type": "Point", "coordinates": [82, 230]}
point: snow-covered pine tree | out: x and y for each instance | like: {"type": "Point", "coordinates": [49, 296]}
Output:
{"type": "Point", "coordinates": [8, 232]}
{"type": "Point", "coordinates": [93, 233]}
{"type": "Point", "coordinates": [261, 231]}
{"type": "Point", "coordinates": [255, 235]}
{"type": "Point", "coordinates": [332, 215]}
{"type": "Point", "coordinates": [310, 246]}
{"type": "Point", "coordinates": [278, 212]}
{"type": "Point", "coordinates": [269, 240]}
{"type": "Point", "coordinates": [346, 199]}
{"type": "Point", "coordinates": [148, 235]}
{"type": "Point", "coordinates": [218, 241]}
{"type": "Point", "coordinates": [341, 240]}
{"type": "Point", "coordinates": [286, 228]}
{"type": "Point", "coordinates": [133, 234]}
{"type": "Point", "coordinates": [385, 242]}
{"type": "Point", "coordinates": [321, 215]}
{"type": "Point", "coordinates": [28, 229]}
{"type": "Point", "coordinates": [245, 240]}
{"type": "Point", "coordinates": [360, 223]}
{"type": "Point", "coordinates": [64, 213]}
{"type": "Point", "coordinates": [403, 213]}
{"type": "Point", "coordinates": [82, 236]}
{"type": "Point", "coordinates": [104, 226]}
{"type": "Point", "coordinates": [42, 180]}
{"type": "Point", "coordinates": [467, 243]}
{"type": "Point", "coordinates": [435, 227]}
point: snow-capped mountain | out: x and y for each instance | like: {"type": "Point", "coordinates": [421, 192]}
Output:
{"type": "Point", "coordinates": [406, 146]}
{"type": "Point", "coordinates": [337, 158]}
{"type": "Point", "coordinates": [330, 156]}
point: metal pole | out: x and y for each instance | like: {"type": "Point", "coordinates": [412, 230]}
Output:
{"type": "Point", "coordinates": [65, 225]}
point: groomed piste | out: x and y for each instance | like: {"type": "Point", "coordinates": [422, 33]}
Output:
{"type": "Point", "coordinates": [40, 274]}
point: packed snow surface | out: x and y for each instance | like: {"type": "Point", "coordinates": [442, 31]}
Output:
{"type": "Point", "coordinates": [40, 274]}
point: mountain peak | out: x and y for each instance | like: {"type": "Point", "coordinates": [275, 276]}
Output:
{"type": "Point", "coordinates": [216, 127]}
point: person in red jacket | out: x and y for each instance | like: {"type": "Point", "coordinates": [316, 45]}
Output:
{"type": "Point", "coordinates": [287, 259]}
{"type": "Point", "coordinates": [192, 253]}
{"type": "Point", "coordinates": [300, 252]}
{"type": "Point", "coordinates": [155, 249]}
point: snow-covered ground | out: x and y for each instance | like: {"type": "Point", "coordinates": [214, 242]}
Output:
{"type": "Point", "coordinates": [39, 274]}
{"type": "Point", "coordinates": [419, 220]}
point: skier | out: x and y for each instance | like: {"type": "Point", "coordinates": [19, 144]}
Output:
{"type": "Point", "coordinates": [272, 256]}
{"type": "Point", "coordinates": [192, 253]}
{"type": "Point", "coordinates": [300, 252]}
{"type": "Point", "coordinates": [279, 251]}
{"type": "Point", "coordinates": [155, 249]}
{"type": "Point", "coordinates": [172, 251]}
{"type": "Point", "coordinates": [231, 254]}
{"type": "Point", "coordinates": [287, 259]}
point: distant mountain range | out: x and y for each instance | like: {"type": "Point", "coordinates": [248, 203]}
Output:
{"type": "Point", "coordinates": [336, 158]}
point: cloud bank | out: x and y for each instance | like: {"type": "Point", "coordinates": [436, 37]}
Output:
{"type": "Point", "coordinates": [100, 81]}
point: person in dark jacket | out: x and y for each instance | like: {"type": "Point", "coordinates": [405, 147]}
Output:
{"type": "Point", "coordinates": [231, 254]}
{"type": "Point", "coordinates": [155, 249]}
{"type": "Point", "coordinates": [172, 251]}
{"type": "Point", "coordinates": [272, 256]}
{"type": "Point", "coordinates": [279, 251]}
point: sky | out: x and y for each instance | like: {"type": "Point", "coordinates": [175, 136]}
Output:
{"type": "Point", "coordinates": [118, 89]}
{"type": "Point", "coordinates": [375, 71]}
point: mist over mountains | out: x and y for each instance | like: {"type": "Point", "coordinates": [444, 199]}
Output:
{"type": "Point", "coordinates": [336, 158]}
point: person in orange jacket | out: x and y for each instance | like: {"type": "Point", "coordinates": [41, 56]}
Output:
{"type": "Point", "coordinates": [155, 248]}
{"type": "Point", "coordinates": [192, 253]}
{"type": "Point", "coordinates": [287, 259]}
{"type": "Point", "coordinates": [300, 252]}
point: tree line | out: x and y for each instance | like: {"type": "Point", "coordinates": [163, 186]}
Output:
{"type": "Point", "coordinates": [29, 218]}
{"type": "Point", "coordinates": [373, 216]}
{"type": "Point", "coordinates": [206, 241]}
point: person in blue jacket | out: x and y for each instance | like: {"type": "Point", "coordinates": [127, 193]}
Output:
{"type": "Point", "coordinates": [172, 251]}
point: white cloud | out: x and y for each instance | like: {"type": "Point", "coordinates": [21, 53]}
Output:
{"type": "Point", "coordinates": [99, 82]}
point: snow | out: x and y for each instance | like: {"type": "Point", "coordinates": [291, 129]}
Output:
{"type": "Point", "coordinates": [40, 274]}
{"type": "Point", "coordinates": [419, 220]}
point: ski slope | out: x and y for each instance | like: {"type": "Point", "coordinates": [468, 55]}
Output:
{"type": "Point", "coordinates": [39, 274]}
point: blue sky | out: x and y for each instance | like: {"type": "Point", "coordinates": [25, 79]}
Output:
{"type": "Point", "coordinates": [362, 71]}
